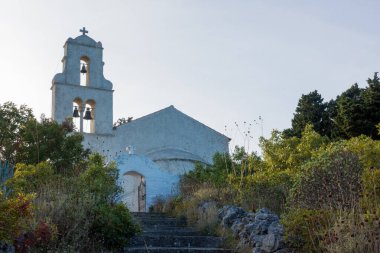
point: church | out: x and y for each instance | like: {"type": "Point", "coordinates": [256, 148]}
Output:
{"type": "Point", "coordinates": [150, 152]}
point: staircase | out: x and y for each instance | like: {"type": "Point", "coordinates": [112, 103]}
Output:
{"type": "Point", "coordinates": [166, 234]}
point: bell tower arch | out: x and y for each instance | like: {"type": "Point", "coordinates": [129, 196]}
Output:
{"type": "Point", "coordinates": [82, 77]}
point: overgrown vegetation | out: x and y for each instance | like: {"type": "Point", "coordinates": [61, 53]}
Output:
{"type": "Point", "coordinates": [322, 176]}
{"type": "Point", "coordinates": [61, 198]}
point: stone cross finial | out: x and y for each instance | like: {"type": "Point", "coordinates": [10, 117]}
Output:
{"type": "Point", "coordinates": [84, 31]}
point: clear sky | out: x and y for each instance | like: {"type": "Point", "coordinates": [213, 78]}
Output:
{"type": "Point", "coordinates": [218, 61]}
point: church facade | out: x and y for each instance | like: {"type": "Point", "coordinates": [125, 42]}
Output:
{"type": "Point", "coordinates": [151, 152]}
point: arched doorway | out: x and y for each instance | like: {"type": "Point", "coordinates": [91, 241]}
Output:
{"type": "Point", "coordinates": [134, 195]}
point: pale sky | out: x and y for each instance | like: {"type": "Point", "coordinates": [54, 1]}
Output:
{"type": "Point", "coordinates": [218, 61]}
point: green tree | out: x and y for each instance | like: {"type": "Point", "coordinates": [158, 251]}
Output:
{"type": "Point", "coordinates": [12, 120]}
{"type": "Point", "coordinates": [311, 110]}
{"type": "Point", "coordinates": [351, 116]}
{"type": "Point", "coordinates": [49, 141]}
{"type": "Point", "coordinates": [371, 96]}
{"type": "Point", "coordinates": [280, 153]}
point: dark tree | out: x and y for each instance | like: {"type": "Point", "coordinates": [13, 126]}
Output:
{"type": "Point", "coordinates": [371, 97]}
{"type": "Point", "coordinates": [49, 141]}
{"type": "Point", "coordinates": [351, 113]}
{"type": "Point", "coordinates": [310, 110]}
{"type": "Point", "coordinates": [12, 119]}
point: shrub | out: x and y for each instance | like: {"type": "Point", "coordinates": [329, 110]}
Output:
{"type": "Point", "coordinates": [113, 226]}
{"type": "Point", "coordinates": [268, 189]}
{"type": "Point", "coordinates": [81, 209]}
{"type": "Point", "coordinates": [304, 228]}
{"type": "Point", "coordinates": [331, 181]}
{"type": "Point", "coordinates": [353, 232]}
{"type": "Point", "coordinates": [15, 215]}
{"type": "Point", "coordinates": [370, 202]}
{"type": "Point", "coordinates": [30, 178]}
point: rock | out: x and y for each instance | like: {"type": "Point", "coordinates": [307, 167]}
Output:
{"type": "Point", "coordinates": [228, 214]}
{"type": "Point", "coordinates": [275, 228]}
{"type": "Point", "coordinates": [237, 227]}
{"type": "Point", "coordinates": [260, 227]}
{"type": "Point", "coordinates": [257, 250]}
{"type": "Point", "coordinates": [261, 231]}
{"type": "Point", "coordinates": [270, 243]}
{"type": "Point", "coordinates": [265, 214]}
{"type": "Point", "coordinates": [6, 248]}
{"type": "Point", "coordinates": [257, 240]}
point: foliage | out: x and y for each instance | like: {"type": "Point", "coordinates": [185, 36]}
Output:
{"type": "Point", "coordinates": [113, 225]}
{"type": "Point", "coordinates": [352, 232]}
{"type": "Point", "coordinates": [370, 201]}
{"type": "Point", "coordinates": [304, 228]}
{"type": "Point", "coordinates": [351, 115]}
{"type": "Point", "coordinates": [100, 179]}
{"type": "Point", "coordinates": [282, 153]}
{"type": "Point", "coordinates": [12, 120]}
{"type": "Point", "coordinates": [311, 110]}
{"type": "Point", "coordinates": [122, 121]}
{"type": "Point", "coordinates": [14, 214]}
{"type": "Point", "coordinates": [29, 178]}
{"type": "Point", "coordinates": [77, 212]}
{"type": "Point", "coordinates": [330, 182]}
{"type": "Point", "coordinates": [268, 189]}
{"type": "Point", "coordinates": [354, 112]}
{"type": "Point", "coordinates": [49, 141]}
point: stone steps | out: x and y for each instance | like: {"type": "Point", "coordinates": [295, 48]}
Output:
{"type": "Point", "coordinates": [166, 234]}
{"type": "Point", "coordinates": [178, 241]}
{"type": "Point", "coordinates": [175, 250]}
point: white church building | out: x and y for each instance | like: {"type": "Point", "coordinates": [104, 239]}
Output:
{"type": "Point", "coordinates": [151, 152]}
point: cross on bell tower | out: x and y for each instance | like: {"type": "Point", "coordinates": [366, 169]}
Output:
{"type": "Point", "coordinates": [83, 30]}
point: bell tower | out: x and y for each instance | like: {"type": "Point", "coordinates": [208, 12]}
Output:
{"type": "Point", "coordinates": [81, 91]}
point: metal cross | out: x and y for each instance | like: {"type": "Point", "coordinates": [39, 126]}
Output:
{"type": "Point", "coordinates": [84, 31]}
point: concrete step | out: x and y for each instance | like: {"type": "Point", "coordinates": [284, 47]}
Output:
{"type": "Point", "coordinates": [168, 234]}
{"type": "Point", "coordinates": [174, 250]}
{"type": "Point", "coordinates": [161, 222]}
{"type": "Point", "coordinates": [172, 232]}
{"type": "Point", "coordinates": [176, 241]}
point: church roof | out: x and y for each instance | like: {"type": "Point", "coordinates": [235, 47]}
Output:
{"type": "Point", "coordinates": [171, 108]}
{"type": "Point", "coordinates": [85, 40]}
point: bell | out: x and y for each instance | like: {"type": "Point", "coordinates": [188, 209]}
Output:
{"type": "Point", "coordinates": [83, 70]}
{"type": "Point", "coordinates": [87, 115]}
{"type": "Point", "coordinates": [76, 112]}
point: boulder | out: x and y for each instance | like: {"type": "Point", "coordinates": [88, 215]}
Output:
{"type": "Point", "coordinates": [261, 231]}
{"type": "Point", "coordinates": [228, 214]}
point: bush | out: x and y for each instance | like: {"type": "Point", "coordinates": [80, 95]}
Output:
{"type": "Point", "coordinates": [370, 202]}
{"type": "Point", "coordinates": [113, 226]}
{"type": "Point", "coordinates": [72, 213]}
{"type": "Point", "coordinates": [353, 232]}
{"type": "Point", "coordinates": [15, 216]}
{"type": "Point", "coordinates": [30, 178]}
{"type": "Point", "coordinates": [304, 228]}
{"type": "Point", "coordinates": [333, 180]}
{"type": "Point", "coordinates": [265, 189]}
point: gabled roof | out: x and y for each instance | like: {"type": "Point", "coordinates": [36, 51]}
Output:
{"type": "Point", "coordinates": [172, 109]}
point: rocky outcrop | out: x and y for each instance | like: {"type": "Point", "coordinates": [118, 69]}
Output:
{"type": "Point", "coordinates": [260, 231]}
{"type": "Point", "coordinates": [6, 248]}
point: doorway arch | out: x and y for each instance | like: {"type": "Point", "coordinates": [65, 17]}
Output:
{"type": "Point", "coordinates": [134, 195]}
